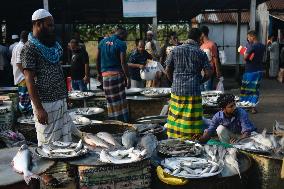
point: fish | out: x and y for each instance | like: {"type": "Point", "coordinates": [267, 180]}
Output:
{"type": "Point", "coordinates": [61, 144]}
{"type": "Point", "coordinates": [129, 139]}
{"type": "Point", "coordinates": [108, 158]}
{"type": "Point", "coordinates": [231, 159]}
{"type": "Point", "coordinates": [22, 163]}
{"type": "Point", "coordinates": [94, 140]}
{"type": "Point", "coordinates": [107, 137]}
{"type": "Point", "coordinates": [79, 146]}
{"type": "Point", "coordinates": [121, 153]}
{"type": "Point", "coordinates": [263, 139]}
{"type": "Point", "coordinates": [149, 142]}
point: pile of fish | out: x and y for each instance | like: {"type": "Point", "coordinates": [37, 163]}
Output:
{"type": "Point", "coordinates": [215, 160]}
{"type": "Point", "coordinates": [59, 149]}
{"type": "Point", "coordinates": [176, 147]}
{"type": "Point", "coordinates": [262, 143]}
{"type": "Point", "coordinates": [152, 92]}
{"type": "Point", "coordinates": [80, 120]}
{"type": "Point", "coordinates": [122, 156]}
{"type": "Point", "coordinates": [245, 104]}
{"type": "Point", "coordinates": [193, 167]}
{"type": "Point", "coordinates": [101, 139]}
{"type": "Point", "coordinates": [144, 129]}
{"type": "Point", "coordinates": [22, 163]}
{"type": "Point", "coordinates": [79, 94]}
{"type": "Point", "coordinates": [148, 142]}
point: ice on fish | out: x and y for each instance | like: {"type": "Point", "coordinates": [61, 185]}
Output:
{"type": "Point", "coordinates": [22, 163]}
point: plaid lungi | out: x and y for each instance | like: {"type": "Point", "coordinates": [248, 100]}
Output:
{"type": "Point", "coordinates": [185, 117]}
{"type": "Point", "coordinates": [114, 87]}
{"type": "Point", "coordinates": [60, 126]}
{"type": "Point", "coordinates": [250, 87]}
{"type": "Point", "coordinates": [24, 98]}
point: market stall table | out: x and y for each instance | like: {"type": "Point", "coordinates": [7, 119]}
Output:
{"type": "Point", "coordinates": [9, 178]}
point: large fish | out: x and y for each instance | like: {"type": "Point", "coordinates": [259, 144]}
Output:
{"type": "Point", "coordinates": [94, 140]}
{"type": "Point", "coordinates": [231, 159]}
{"type": "Point", "coordinates": [134, 155]}
{"type": "Point", "coordinates": [129, 139]}
{"type": "Point", "coordinates": [22, 163]}
{"type": "Point", "coordinates": [107, 137]}
{"type": "Point", "coordinates": [149, 142]}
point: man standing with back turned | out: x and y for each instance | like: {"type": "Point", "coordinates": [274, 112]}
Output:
{"type": "Point", "coordinates": [113, 68]}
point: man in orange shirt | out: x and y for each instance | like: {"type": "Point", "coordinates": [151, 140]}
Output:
{"type": "Point", "coordinates": [210, 48]}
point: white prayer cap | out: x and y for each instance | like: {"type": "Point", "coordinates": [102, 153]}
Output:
{"type": "Point", "coordinates": [15, 36]}
{"type": "Point", "coordinates": [40, 14]}
{"type": "Point", "coordinates": [150, 32]}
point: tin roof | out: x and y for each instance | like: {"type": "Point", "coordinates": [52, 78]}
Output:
{"type": "Point", "coordinates": [275, 5]}
{"type": "Point", "coordinates": [218, 18]}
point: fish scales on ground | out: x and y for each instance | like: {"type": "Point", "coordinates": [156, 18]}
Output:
{"type": "Point", "coordinates": [129, 139]}
{"type": "Point", "coordinates": [107, 137]}
{"type": "Point", "coordinates": [22, 163]}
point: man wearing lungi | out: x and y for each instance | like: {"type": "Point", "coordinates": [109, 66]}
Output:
{"type": "Point", "coordinates": [24, 105]}
{"type": "Point", "coordinates": [46, 85]}
{"type": "Point", "coordinates": [231, 123]}
{"type": "Point", "coordinates": [113, 69]}
{"type": "Point", "coordinates": [184, 66]}
{"type": "Point", "coordinates": [253, 70]}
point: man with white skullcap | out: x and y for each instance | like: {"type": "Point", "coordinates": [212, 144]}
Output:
{"type": "Point", "coordinates": [15, 39]}
{"type": "Point", "coordinates": [45, 81]}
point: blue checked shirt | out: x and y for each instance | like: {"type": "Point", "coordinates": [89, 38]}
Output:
{"type": "Point", "coordinates": [187, 61]}
{"type": "Point", "coordinates": [238, 124]}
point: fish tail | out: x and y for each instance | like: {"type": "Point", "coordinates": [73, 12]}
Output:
{"type": "Point", "coordinates": [29, 175]}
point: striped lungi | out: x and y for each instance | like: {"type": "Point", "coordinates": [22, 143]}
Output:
{"type": "Point", "coordinates": [185, 117]}
{"type": "Point", "coordinates": [114, 87]}
{"type": "Point", "coordinates": [24, 98]}
{"type": "Point", "coordinates": [60, 126]}
{"type": "Point", "coordinates": [250, 87]}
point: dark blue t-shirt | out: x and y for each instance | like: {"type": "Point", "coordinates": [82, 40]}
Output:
{"type": "Point", "coordinates": [110, 49]}
{"type": "Point", "coordinates": [137, 58]}
{"type": "Point", "coordinates": [255, 64]}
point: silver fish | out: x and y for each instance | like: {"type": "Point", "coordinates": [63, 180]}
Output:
{"type": "Point", "coordinates": [107, 137]}
{"type": "Point", "coordinates": [129, 139]}
{"type": "Point", "coordinates": [149, 142]}
{"type": "Point", "coordinates": [22, 163]}
{"type": "Point", "coordinates": [231, 159]}
{"type": "Point", "coordinates": [79, 146]}
{"type": "Point", "coordinates": [94, 140]}
{"type": "Point", "coordinates": [107, 158]}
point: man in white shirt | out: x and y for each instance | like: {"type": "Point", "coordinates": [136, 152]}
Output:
{"type": "Point", "coordinates": [15, 39]}
{"type": "Point", "coordinates": [19, 79]}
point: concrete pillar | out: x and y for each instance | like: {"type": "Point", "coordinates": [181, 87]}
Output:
{"type": "Point", "coordinates": [155, 27]}
{"type": "Point", "coordinates": [252, 14]}
{"type": "Point", "coordinates": [239, 22]}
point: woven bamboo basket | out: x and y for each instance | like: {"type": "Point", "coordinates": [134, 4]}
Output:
{"type": "Point", "coordinates": [28, 130]}
{"type": "Point", "coordinates": [110, 126]}
{"type": "Point", "coordinates": [142, 108]}
{"type": "Point", "coordinates": [128, 176]}
{"type": "Point", "coordinates": [267, 172]}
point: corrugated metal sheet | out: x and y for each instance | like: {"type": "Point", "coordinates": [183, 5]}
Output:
{"type": "Point", "coordinates": [230, 18]}
{"type": "Point", "coordinates": [279, 16]}
{"type": "Point", "coordinates": [275, 5]}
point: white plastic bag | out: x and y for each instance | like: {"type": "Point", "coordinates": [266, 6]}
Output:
{"type": "Point", "coordinates": [220, 85]}
{"type": "Point", "coordinates": [150, 70]}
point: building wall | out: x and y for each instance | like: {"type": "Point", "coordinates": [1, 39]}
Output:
{"type": "Point", "coordinates": [225, 36]}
